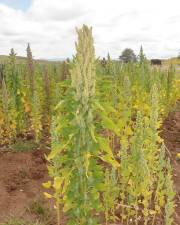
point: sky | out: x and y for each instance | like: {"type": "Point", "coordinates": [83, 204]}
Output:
{"type": "Point", "coordinates": [49, 26]}
{"type": "Point", "coordinates": [17, 4]}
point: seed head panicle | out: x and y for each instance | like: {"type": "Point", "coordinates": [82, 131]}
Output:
{"type": "Point", "coordinates": [83, 71]}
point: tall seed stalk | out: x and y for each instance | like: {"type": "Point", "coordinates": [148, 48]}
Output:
{"type": "Point", "coordinates": [30, 70]}
{"type": "Point", "coordinates": [74, 153]}
{"type": "Point", "coordinates": [83, 83]}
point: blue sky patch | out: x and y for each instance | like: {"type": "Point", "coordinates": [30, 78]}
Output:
{"type": "Point", "coordinates": [17, 4]}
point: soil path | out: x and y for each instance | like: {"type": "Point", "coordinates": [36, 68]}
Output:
{"type": "Point", "coordinates": [21, 178]}
{"type": "Point", "coordinates": [171, 136]}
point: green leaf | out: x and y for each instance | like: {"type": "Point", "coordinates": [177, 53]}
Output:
{"type": "Point", "coordinates": [92, 128]}
{"type": "Point", "coordinates": [109, 124]}
{"type": "Point", "coordinates": [108, 108]}
{"type": "Point", "coordinates": [59, 105]}
{"type": "Point", "coordinates": [97, 105]}
{"type": "Point", "coordinates": [104, 145]}
{"type": "Point", "coordinates": [58, 149]}
{"type": "Point", "coordinates": [108, 159]}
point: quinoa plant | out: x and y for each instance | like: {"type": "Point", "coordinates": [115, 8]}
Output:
{"type": "Point", "coordinates": [30, 70]}
{"type": "Point", "coordinates": [170, 195]}
{"type": "Point", "coordinates": [8, 116]}
{"type": "Point", "coordinates": [75, 151]}
{"type": "Point", "coordinates": [14, 86]}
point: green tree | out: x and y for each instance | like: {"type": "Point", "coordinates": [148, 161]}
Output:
{"type": "Point", "coordinates": [178, 56]}
{"type": "Point", "coordinates": [12, 57]}
{"type": "Point", "coordinates": [128, 55]}
{"type": "Point", "coordinates": [141, 56]}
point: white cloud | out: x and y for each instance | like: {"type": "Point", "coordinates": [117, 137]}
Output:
{"type": "Point", "coordinates": [56, 10]}
{"type": "Point", "coordinates": [117, 24]}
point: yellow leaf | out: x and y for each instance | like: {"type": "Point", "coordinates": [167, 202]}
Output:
{"type": "Point", "coordinates": [47, 184]}
{"type": "Point", "coordinates": [159, 140]}
{"type": "Point", "coordinates": [47, 195]}
{"type": "Point", "coordinates": [57, 183]}
{"type": "Point", "coordinates": [128, 131]}
{"type": "Point", "coordinates": [27, 108]}
{"type": "Point", "coordinates": [178, 156]}
{"type": "Point", "coordinates": [152, 212]}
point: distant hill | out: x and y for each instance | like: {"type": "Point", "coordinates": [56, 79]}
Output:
{"type": "Point", "coordinates": [174, 61]}
{"type": "Point", "coordinates": [54, 59]}
{"type": "Point", "coordinates": [4, 58]}
{"type": "Point", "coordinates": [22, 59]}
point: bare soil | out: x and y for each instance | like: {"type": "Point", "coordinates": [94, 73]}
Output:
{"type": "Point", "coordinates": [21, 178]}
{"type": "Point", "coordinates": [22, 175]}
{"type": "Point", "coordinates": [171, 136]}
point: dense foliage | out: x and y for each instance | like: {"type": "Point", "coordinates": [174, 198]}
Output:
{"type": "Point", "coordinates": [108, 162]}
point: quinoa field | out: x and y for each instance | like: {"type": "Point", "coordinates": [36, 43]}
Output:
{"type": "Point", "coordinates": [88, 141]}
